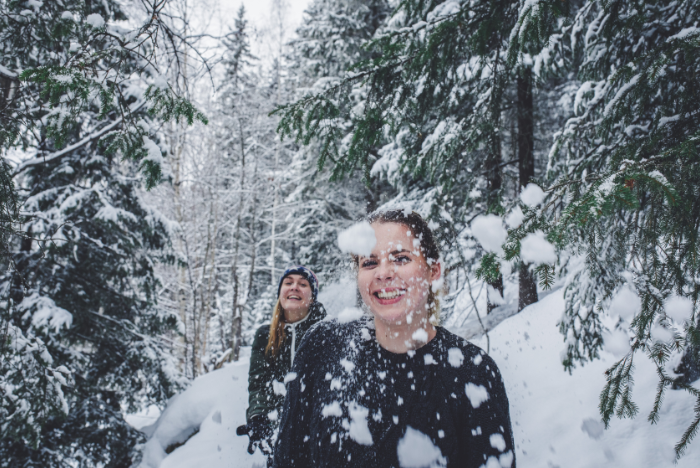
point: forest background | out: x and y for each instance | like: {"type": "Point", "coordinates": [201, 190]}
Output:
{"type": "Point", "coordinates": [159, 173]}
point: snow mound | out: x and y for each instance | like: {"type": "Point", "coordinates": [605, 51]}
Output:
{"type": "Point", "coordinates": [555, 415]}
{"type": "Point", "coordinates": [214, 405]}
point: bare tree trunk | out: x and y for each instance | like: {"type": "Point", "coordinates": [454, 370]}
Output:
{"type": "Point", "coordinates": [236, 311]}
{"type": "Point", "coordinates": [527, 285]}
{"type": "Point", "coordinates": [208, 295]}
{"type": "Point", "coordinates": [494, 179]}
{"type": "Point", "coordinates": [253, 243]}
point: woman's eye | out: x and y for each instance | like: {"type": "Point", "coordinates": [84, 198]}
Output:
{"type": "Point", "coordinates": [368, 263]}
{"type": "Point", "coordinates": [402, 259]}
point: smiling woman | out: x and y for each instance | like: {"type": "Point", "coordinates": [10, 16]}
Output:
{"type": "Point", "coordinates": [394, 389]}
{"type": "Point", "coordinates": [273, 352]}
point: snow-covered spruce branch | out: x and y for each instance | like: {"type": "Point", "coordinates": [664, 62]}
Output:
{"type": "Point", "coordinates": [71, 148]}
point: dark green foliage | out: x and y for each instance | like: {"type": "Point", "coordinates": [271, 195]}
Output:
{"type": "Point", "coordinates": [81, 330]}
{"type": "Point", "coordinates": [94, 265]}
{"type": "Point", "coordinates": [76, 65]}
{"type": "Point", "coordinates": [626, 180]}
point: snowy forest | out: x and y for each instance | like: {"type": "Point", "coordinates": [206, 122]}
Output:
{"type": "Point", "coordinates": [158, 174]}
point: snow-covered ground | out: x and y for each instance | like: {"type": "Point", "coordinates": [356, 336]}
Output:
{"type": "Point", "coordinates": [555, 415]}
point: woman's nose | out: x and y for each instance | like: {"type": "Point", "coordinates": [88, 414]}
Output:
{"type": "Point", "coordinates": [384, 270]}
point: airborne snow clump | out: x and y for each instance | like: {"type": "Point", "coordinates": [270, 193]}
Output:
{"type": "Point", "coordinates": [534, 248]}
{"type": "Point", "coordinates": [358, 239]}
{"type": "Point", "coordinates": [489, 231]}
{"type": "Point", "coordinates": [349, 314]}
{"type": "Point", "coordinates": [625, 303]}
{"type": "Point", "coordinates": [532, 195]}
{"type": "Point", "coordinates": [477, 394]}
{"type": "Point", "coordinates": [416, 450]}
{"type": "Point", "coordinates": [679, 308]}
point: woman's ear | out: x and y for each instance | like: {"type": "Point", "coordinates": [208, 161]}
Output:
{"type": "Point", "coordinates": [435, 271]}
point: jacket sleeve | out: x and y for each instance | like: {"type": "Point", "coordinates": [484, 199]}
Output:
{"type": "Point", "coordinates": [295, 436]}
{"type": "Point", "coordinates": [259, 377]}
{"type": "Point", "coordinates": [489, 433]}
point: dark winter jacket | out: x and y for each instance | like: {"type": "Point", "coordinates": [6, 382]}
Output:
{"type": "Point", "coordinates": [354, 404]}
{"type": "Point", "coordinates": [266, 375]}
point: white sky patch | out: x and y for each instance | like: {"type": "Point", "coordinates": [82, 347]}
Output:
{"type": "Point", "coordinates": [626, 304]}
{"type": "Point", "coordinates": [359, 431]}
{"type": "Point", "coordinates": [534, 248]}
{"type": "Point", "coordinates": [416, 450]}
{"type": "Point", "coordinates": [350, 314]}
{"type": "Point", "coordinates": [95, 20]}
{"type": "Point", "coordinates": [679, 308]}
{"type": "Point", "coordinates": [455, 357]}
{"type": "Point", "coordinates": [515, 218]}
{"type": "Point", "coordinates": [358, 239]}
{"type": "Point", "coordinates": [489, 231]}
{"type": "Point", "coordinates": [477, 394]}
{"type": "Point", "coordinates": [532, 195]}
{"type": "Point", "coordinates": [332, 409]}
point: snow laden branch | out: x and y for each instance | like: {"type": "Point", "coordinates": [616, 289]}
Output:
{"type": "Point", "coordinates": [620, 206]}
{"type": "Point", "coordinates": [100, 68]}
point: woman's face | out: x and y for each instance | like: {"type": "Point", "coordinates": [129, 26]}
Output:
{"type": "Point", "coordinates": [394, 281]}
{"type": "Point", "coordinates": [295, 297]}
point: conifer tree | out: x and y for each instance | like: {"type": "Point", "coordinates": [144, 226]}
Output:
{"type": "Point", "coordinates": [327, 45]}
{"type": "Point", "coordinates": [624, 187]}
{"type": "Point", "coordinates": [78, 295]}
{"type": "Point", "coordinates": [434, 81]}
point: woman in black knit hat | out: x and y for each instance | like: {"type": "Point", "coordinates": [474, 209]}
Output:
{"type": "Point", "coordinates": [273, 351]}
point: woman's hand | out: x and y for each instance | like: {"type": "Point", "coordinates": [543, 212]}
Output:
{"type": "Point", "coordinates": [259, 431]}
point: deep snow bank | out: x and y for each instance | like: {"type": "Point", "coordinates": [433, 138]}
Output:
{"type": "Point", "coordinates": [555, 415]}
{"type": "Point", "coordinates": [214, 405]}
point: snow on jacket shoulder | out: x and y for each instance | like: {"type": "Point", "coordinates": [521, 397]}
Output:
{"type": "Point", "coordinates": [267, 373]}
{"type": "Point", "coordinates": [354, 404]}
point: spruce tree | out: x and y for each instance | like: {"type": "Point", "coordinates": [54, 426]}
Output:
{"type": "Point", "coordinates": [431, 117]}
{"type": "Point", "coordinates": [78, 293]}
{"type": "Point", "coordinates": [327, 45]}
{"type": "Point", "coordinates": [624, 189]}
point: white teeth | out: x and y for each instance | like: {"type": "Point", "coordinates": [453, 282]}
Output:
{"type": "Point", "coordinates": [391, 294]}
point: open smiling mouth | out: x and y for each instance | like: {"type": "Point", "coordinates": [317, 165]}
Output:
{"type": "Point", "coordinates": [393, 294]}
{"type": "Point", "coordinates": [293, 298]}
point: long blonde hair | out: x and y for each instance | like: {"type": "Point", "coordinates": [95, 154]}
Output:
{"type": "Point", "coordinates": [277, 335]}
